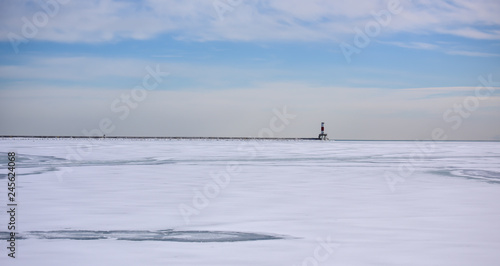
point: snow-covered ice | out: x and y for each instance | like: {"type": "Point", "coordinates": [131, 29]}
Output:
{"type": "Point", "coordinates": [197, 202]}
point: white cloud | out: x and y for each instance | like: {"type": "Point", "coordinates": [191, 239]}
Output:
{"type": "Point", "coordinates": [413, 45]}
{"type": "Point", "coordinates": [430, 46]}
{"type": "Point", "coordinates": [107, 20]}
{"type": "Point", "coordinates": [472, 53]}
{"type": "Point", "coordinates": [113, 73]}
{"type": "Point", "coordinates": [73, 68]}
{"type": "Point", "coordinates": [473, 33]}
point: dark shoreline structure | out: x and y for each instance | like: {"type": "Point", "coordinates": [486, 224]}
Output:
{"type": "Point", "coordinates": [321, 136]}
{"type": "Point", "coordinates": [216, 138]}
{"type": "Point", "coordinates": [166, 138]}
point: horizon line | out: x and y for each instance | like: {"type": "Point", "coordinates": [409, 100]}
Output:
{"type": "Point", "coordinates": [221, 138]}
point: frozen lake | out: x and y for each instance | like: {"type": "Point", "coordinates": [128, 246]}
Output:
{"type": "Point", "coordinates": [197, 202]}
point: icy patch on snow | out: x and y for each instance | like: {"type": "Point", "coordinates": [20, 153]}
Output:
{"type": "Point", "coordinates": [483, 175]}
{"type": "Point", "coordinates": [141, 235]}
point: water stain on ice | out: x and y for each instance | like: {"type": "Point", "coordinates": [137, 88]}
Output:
{"type": "Point", "coordinates": [473, 174]}
{"type": "Point", "coordinates": [142, 235]}
{"type": "Point", "coordinates": [39, 164]}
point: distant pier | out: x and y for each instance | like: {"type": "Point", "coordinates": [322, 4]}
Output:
{"type": "Point", "coordinates": [322, 136]}
{"type": "Point", "coordinates": [152, 137]}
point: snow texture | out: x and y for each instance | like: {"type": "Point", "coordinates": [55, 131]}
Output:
{"type": "Point", "coordinates": [186, 202]}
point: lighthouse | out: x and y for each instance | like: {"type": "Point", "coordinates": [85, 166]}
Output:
{"type": "Point", "coordinates": [322, 135]}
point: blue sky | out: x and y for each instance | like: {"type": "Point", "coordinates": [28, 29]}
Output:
{"type": "Point", "coordinates": [231, 63]}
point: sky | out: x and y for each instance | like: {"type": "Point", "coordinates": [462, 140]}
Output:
{"type": "Point", "coordinates": [369, 69]}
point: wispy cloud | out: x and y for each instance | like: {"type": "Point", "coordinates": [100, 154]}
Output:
{"type": "Point", "coordinates": [108, 21]}
{"type": "Point", "coordinates": [472, 53]}
{"type": "Point", "coordinates": [73, 68]}
{"type": "Point", "coordinates": [442, 47]}
{"type": "Point", "coordinates": [167, 56]}
{"type": "Point", "coordinates": [120, 72]}
{"type": "Point", "coordinates": [413, 45]}
{"type": "Point", "coordinates": [473, 33]}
